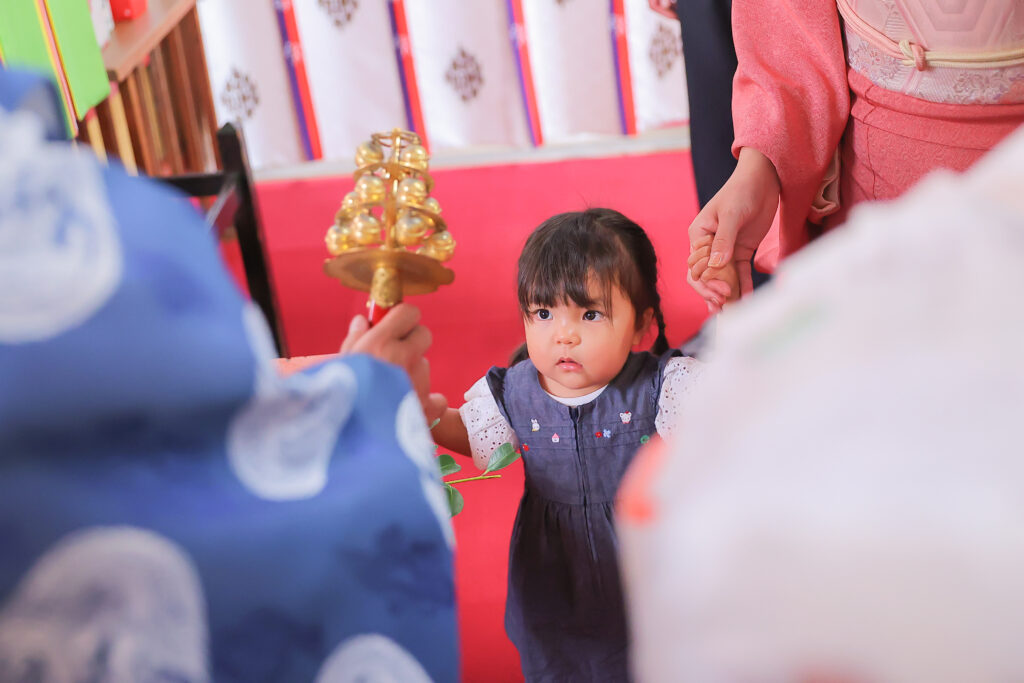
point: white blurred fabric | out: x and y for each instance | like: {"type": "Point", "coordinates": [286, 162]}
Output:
{"type": "Point", "coordinates": [244, 55]}
{"type": "Point", "coordinates": [656, 67]}
{"type": "Point", "coordinates": [352, 72]}
{"type": "Point", "coordinates": [846, 498]}
{"type": "Point", "coordinates": [573, 66]}
{"type": "Point", "coordinates": [452, 40]}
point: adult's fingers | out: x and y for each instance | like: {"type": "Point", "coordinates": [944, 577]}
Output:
{"type": "Point", "coordinates": [729, 223]}
{"type": "Point", "coordinates": [703, 241]}
{"type": "Point", "coordinates": [704, 225]}
{"type": "Point", "coordinates": [398, 338]}
{"type": "Point", "coordinates": [746, 278]}
{"type": "Point", "coordinates": [698, 260]}
{"type": "Point", "coordinates": [416, 344]}
{"type": "Point", "coordinates": [434, 407]}
{"type": "Point", "coordinates": [698, 269]}
{"type": "Point", "coordinates": [419, 375]}
{"type": "Point", "coordinates": [398, 323]}
{"type": "Point", "coordinates": [356, 329]}
{"type": "Point", "coordinates": [699, 253]}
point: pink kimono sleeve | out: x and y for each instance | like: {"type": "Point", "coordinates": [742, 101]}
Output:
{"type": "Point", "coordinates": [791, 102]}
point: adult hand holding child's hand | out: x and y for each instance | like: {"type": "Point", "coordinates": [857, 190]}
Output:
{"type": "Point", "coordinates": [737, 218]}
{"type": "Point", "coordinates": [722, 281]}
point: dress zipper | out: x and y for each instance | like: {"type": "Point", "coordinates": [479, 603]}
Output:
{"type": "Point", "coordinates": [574, 413]}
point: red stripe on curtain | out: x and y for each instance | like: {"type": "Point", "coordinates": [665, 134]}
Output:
{"type": "Point", "coordinates": [296, 62]}
{"type": "Point", "coordinates": [625, 80]}
{"type": "Point", "coordinates": [409, 70]}
{"type": "Point", "coordinates": [521, 44]}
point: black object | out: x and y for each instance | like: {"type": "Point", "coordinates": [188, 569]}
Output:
{"type": "Point", "coordinates": [235, 205]}
{"type": "Point", "coordinates": [710, 60]}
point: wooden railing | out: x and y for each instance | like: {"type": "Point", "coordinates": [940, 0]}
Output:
{"type": "Point", "coordinates": [159, 118]}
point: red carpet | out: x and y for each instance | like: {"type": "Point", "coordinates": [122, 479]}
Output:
{"type": "Point", "coordinates": [475, 321]}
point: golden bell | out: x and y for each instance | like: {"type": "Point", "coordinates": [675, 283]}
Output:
{"type": "Point", "coordinates": [432, 205]}
{"type": "Point", "coordinates": [410, 228]}
{"type": "Point", "coordinates": [338, 239]}
{"type": "Point", "coordinates": [415, 156]}
{"type": "Point", "coordinates": [371, 189]}
{"type": "Point", "coordinates": [369, 153]}
{"type": "Point", "coordinates": [440, 246]}
{"type": "Point", "coordinates": [412, 191]}
{"type": "Point", "coordinates": [350, 203]}
{"type": "Point", "coordinates": [366, 229]}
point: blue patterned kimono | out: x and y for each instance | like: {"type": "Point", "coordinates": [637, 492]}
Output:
{"type": "Point", "coordinates": [170, 508]}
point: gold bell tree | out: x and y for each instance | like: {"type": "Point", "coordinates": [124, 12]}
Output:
{"type": "Point", "coordinates": [388, 237]}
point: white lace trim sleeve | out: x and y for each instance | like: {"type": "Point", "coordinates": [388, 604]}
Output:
{"type": "Point", "coordinates": [681, 375]}
{"type": "Point", "coordinates": [484, 423]}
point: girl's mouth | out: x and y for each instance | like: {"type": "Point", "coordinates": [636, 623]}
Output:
{"type": "Point", "coordinates": [568, 364]}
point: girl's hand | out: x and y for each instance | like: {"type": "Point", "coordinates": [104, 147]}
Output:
{"type": "Point", "coordinates": [722, 283]}
{"type": "Point", "coordinates": [737, 219]}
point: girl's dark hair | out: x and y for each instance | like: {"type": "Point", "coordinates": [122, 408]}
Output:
{"type": "Point", "coordinates": [566, 250]}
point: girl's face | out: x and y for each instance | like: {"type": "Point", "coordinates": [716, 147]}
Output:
{"type": "Point", "coordinates": [579, 350]}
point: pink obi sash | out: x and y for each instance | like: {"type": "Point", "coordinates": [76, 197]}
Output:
{"type": "Point", "coordinates": [972, 54]}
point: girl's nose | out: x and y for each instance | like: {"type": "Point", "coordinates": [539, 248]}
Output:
{"type": "Point", "coordinates": [567, 334]}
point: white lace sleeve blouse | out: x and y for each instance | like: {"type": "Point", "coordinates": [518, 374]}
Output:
{"type": "Point", "coordinates": [487, 428]}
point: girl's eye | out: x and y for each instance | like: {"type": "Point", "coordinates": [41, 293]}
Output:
{"type": "Point", "coordinates": [542, 314]}
{"type": "Point", "coordinates": [593, 315]}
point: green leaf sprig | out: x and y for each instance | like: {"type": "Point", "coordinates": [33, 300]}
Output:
{"type": "Point", "coordinates": [503, 456]}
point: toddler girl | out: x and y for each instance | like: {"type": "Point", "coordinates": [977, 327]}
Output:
{"type": "Point", "coordinates": [578, 405]}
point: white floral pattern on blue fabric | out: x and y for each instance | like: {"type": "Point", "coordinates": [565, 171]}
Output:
{"type": "Point", "coordinates": [60, 256]}
{"type": "Point", "coordinates": [414, 437]}
{"type": "Point", "coordinates": [114, 604]}
{"type": "Point", "coordinates": [371, 658]}
{"type": "Point", "coordinates": [280, 443]}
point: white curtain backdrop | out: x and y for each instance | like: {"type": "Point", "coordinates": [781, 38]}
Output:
{"type": "Point", "coordinates": [656, 65]}
{"type": "Point", "coordinates": [466, 73]}
{"type": "Point", "coordinates": [573, 67]}
{"type": "Point", "coordinates": [352, 71]}
{"type": "Point", "coordinates": [470, 93]}
{"type": "Point", "coordinates": [249, 78]}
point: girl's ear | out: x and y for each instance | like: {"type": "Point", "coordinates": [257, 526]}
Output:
{"type": "Point", "coordinates": [643, 325]}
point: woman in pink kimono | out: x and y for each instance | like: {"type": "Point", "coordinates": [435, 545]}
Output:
{"type": "Point", "coordinates": [835, 103]}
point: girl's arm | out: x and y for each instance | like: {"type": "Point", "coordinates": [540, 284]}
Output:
{"type": "Point", "coordinates": [450, 433]}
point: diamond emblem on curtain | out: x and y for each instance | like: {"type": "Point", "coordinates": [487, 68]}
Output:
{"type": "Point", "coordinates": [240, 95]}
{"type": "Point", "coordinates": [340, 11]}
{"type": "Point", "coordinates": [465, 75]}
{"type": "Point", "coordinates": [666, 48]}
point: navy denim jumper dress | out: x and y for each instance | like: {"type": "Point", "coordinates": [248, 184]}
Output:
{"type": "Point", "coordinates": [564, 610]}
